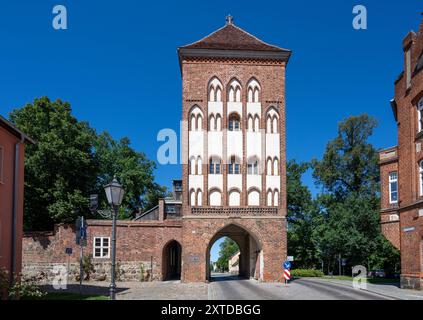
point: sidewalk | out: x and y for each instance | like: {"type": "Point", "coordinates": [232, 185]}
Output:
{"type": "Point", "coordinates": [385, 289]}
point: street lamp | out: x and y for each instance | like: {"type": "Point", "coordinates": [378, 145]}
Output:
{"type": "Point", "coordinates": [114, 192]}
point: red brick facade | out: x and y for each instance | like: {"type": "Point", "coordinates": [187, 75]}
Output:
{"type": "Point", "coordinates": [405, 159]}
{"type": "Point", "coordinates": [12, 154]}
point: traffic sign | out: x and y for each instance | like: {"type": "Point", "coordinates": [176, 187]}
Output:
{"type": "Point", "coordinates": [290, 258]}
{"type": "Point", "coordinates": [287, 265]}
{"type": "Point", "coordinates": [287, 274]}
{"type": "Point", "coordinates": [68, 251]}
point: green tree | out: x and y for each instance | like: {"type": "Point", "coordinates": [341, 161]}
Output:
{"type": "Point", "coordinates": [133, 170]}
{"type": "Point", "coordinates": [59, 167]}
{"type": "Point", "coordinates": [301, 217]}
{"type": "Point", "coordinates": [348, 225]}
{"type": "Point", "coordinates": [228, 248]}
{"type": "Point", "coordinates": [70, 161]}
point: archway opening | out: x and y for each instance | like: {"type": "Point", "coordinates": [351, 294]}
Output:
{"type": "Point", "coordinates": [245, 257]}
{"type": "Point", "coordinates": [224, 258]}
{"type": "Point", "coordinates": [172, 261]}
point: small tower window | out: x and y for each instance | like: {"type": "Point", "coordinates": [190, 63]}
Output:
{"type": "Point", "coordinates": [420, 114]}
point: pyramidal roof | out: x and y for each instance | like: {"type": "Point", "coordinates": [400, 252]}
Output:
{"type": "Point", "coordinates": [231, 40]}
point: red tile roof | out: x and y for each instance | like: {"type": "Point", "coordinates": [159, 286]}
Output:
{"type": "Point", "coordinates": [231, 37]}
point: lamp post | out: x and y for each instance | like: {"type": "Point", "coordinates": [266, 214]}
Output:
{"type": "Point", "coordinates": [114, 192]}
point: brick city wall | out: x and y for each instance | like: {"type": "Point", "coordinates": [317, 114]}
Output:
{"type": "Point", "coordinates": [137, 243]}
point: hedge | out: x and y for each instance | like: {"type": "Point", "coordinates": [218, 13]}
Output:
{"type": "Point", "coordinates": [306, 273]}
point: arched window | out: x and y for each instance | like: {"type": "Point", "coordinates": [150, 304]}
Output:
{"type": "Point", "coordinates": [253, 197]}
{"type": "Point", "coordinates": [199, 197]}
{"type": "Point", "coordinates": [269, 197]}
{"type": "Point", "coordinates": [215, 165]}
{"type": "Point", "coordinates": [212, 123]}
{"type": "Point", "coordinates": [420, 114]}
{"type": "Point", "coordinates": [215, 197]}
{"type": "Point", "coordinates": [269, 166]}
{"type": "Point", "coordinates": [253, 166]}
{"type": "Point", "coordinates": [192, 197]}
{"type": "Point", "coordinates": [218, 122]}
{"type": "Point", "coordinates": [234, 166]}
{"type": "Point", "coordinates": [199, 165]}
{"type": "Point", "coordinates": [275, 197]}
{"type": "Point", "coordinates": [421, 177]}
{"type": "Point", "coordinates": [234, 122]}
{"type": "Point", "coordinates": [275, 166]}
{"type": "Point", "coordinates": [234, 198]}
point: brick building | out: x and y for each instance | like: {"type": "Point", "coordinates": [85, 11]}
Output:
{"type": "Point", "coordinates": [234, 173]}
{"type": "Point", "coordinates": [12, 153]}
{"type": "Point", "coordinates": [401, 167]}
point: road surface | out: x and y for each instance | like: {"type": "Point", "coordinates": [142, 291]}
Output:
{"type": "Point", "coordinates": [226, 287]}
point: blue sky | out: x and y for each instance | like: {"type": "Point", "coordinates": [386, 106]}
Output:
{"type": "Point", "coordinates": [117, 63]}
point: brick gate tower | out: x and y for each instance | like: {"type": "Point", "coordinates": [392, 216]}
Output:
{"type": "Point", "coordinates": [234, 163]}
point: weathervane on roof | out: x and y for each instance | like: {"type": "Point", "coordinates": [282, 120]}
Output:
{"type": "Point", "coordinates": [229, 19]}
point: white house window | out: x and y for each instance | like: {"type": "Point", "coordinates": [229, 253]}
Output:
{"type": "Point", "coordinates": [252, 166]}
{"type": "Point", "coordinates": [393, 187]}
{"type": "Point", "coordinates": [101, 247]}
{"type": "Point", "coordinates": [234, 122]}
{"type": "Point", "coordinates": [234, 167]}
{"type": "Point", "coordinates": [420, 114]}
{"type": "Point", "coordinates": [214, 166]}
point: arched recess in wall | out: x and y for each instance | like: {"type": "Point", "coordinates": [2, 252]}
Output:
{"type": "Point", "coordinates": [253, 90]}
{"type": "Point", "coordinates": [269, 197]}
{"type": "Point", "coordinates": [215, 90]}
{"type": "Point", "coordinates": [272, 120]}
{"type": "Point", "coordinates": [215, 197]}
{"type": "Point", "coordinates": [276, 197]}
{"type": "Point", "coordinates": [195, 118]}
{"type": "Point", "coordinates": [192, 198]}
{"type": "Point", "coordinates": [234, 91]}
{"type": "Point", "coordinates": [234, 197]}
{"type": "Point", "coordinates": [199, 197]}
{"type": "Point", "coordinates": [253, 197]}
